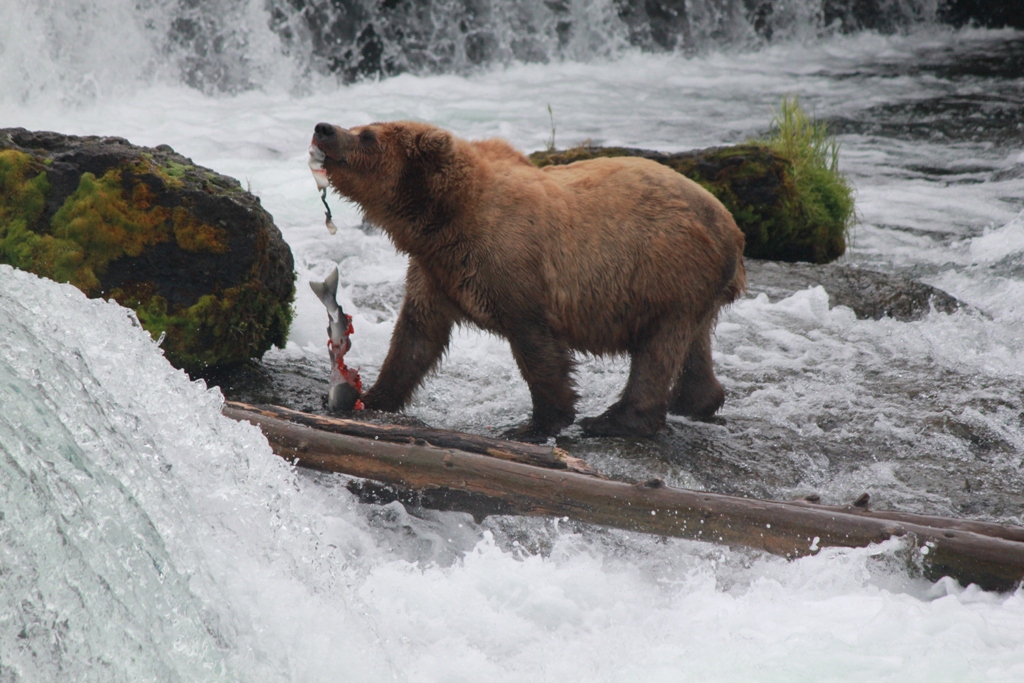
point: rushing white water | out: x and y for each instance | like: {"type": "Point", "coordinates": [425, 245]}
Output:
{"type": "Point", "coordinates": [145, 537]}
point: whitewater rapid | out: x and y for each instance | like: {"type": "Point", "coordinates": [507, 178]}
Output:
{"type": "Point", "coordinates": [146, 537]}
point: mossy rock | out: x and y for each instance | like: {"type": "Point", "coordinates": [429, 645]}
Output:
{"type": "Point", "coordinates": [782, 219]}
{"type": "Point", "coordinates": [193, 254]}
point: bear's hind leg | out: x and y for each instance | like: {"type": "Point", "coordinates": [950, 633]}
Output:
{"type": "Point", "coordinates": [641, 409]}
{"type": "Point", "coordinates": [697, 393]}
{"type": "Point", "coordinates": [547, 366]}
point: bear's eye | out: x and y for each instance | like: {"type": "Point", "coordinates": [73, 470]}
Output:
{"type": "Point", "coordinates": [367, 136]}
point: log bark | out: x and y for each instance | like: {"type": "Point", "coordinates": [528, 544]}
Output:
{"type": "Point", "coordinates": [530, 454]}
{"type": "Point", "coordinates": [994, 529]}
{"type": "Point", "coordinates": [783, 528]}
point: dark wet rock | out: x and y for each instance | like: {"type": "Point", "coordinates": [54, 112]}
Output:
{"type": "Point", "coordinates": [192, 253]}
{"type": "Point", "coordinates": [296, 383]}
{"type": "Point", "coordinates": [870, 294]}
{"type": "Point", "coordinates": [986, 13]}
{"type": "Point", "coordinates": [357, 39]}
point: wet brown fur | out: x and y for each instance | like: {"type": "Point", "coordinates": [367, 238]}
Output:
{"type": "Point", "coordinates": [604, 256]}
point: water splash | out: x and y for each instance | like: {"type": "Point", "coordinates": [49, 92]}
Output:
{"type": "Point", "coordinates": [68, 456]}
{"type": "Point", "coordinates": [142, 535]}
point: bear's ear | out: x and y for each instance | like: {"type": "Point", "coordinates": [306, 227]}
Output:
{"type": "Point", "coordinates": [434, 142]}
{"type": "Point", "coordinates": [367, 137]}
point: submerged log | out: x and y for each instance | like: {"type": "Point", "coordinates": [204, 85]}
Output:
{"type": "Point", "coordinates": [782, 528]}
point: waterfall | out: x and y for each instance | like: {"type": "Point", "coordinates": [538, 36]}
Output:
{"type": "Point", "coordinates": [78, 50]}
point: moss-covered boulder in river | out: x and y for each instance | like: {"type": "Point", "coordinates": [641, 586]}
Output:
{"type": "Point", "coordinates": [193, 254]}
{"type": "Point", "coordinates": [785, 192]}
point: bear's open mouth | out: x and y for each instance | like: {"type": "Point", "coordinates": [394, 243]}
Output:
{"type": "Point", "coordinates": [325, 157]}
{"type": "Point", "coordinates": [316, 154]}
{"type": "Point", "coordinates": [316, 165]}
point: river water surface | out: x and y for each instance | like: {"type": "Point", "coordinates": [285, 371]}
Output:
{"type": "Point", "coordinates": [144, 537]}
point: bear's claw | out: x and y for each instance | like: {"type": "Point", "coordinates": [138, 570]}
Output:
{"type": "Point", "coordinates": [617, 421]}
{"type": "Point", "coordinates": [527, 432]}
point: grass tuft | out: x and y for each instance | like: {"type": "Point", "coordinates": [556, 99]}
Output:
{"type": "Point", "coordinates": [551, 140]}
{"type": "Point", "coordinates": [825, 203]}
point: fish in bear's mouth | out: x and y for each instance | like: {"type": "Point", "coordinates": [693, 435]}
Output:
{"type": "Point", "coordinates": [316, 165]}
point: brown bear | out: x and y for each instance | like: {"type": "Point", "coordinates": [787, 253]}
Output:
{"type": "Point", "coordinates": [605, 256]}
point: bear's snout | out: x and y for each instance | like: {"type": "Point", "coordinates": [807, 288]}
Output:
{"type": "Point", "coordinates": [334, 141]}
{"type": "Point", "coordinates": [323, 130]}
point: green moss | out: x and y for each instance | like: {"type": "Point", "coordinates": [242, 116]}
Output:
{"type": "Point", "coordinates": [230, 327]}
{"type": "Point", "coordinates": [23, 188]}
{"type": "Point", "coordinates": [96, 224]}
{"type": "Point", "coordinates": [23, 192]}
{"type": "Point", "coordinates": [103, 225]}
{"type": "Point", "coordinates": [175, 170]}
{"type": "Point", "coordinates": [170, 172]}
{"type": "Point", "coordinates": [191, 235]}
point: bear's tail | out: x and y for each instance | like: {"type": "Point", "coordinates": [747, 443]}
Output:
{"type": "Point", "coordinates": [737, 283]}
{"type": "Point", "coordinates": [734, 277]}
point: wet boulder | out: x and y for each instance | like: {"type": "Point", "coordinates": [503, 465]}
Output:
{"type": "Point", "coordinates": [783, 220]}
{"type": "Point", "coordinates": [872, 295]}
{"type": "Point", "coordinates": [189, 250]}
{"type": "Point", "coordinates": [891, 17]}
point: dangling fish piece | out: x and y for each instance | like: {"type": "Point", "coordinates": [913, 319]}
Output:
{"type": "Point", "coordinates": [316, 165]}
{"type": "Point", "coordinates": [346, 386]}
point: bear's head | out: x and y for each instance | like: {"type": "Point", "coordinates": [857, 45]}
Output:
{"type": "Point", "coordinates": [400, 173]}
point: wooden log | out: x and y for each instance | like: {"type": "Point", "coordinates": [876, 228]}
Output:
{"type": "Point", "coordinates": [993, 529]}
{"type": "Point", "coordinates": [557, 458]}
{"type": "Point", "coordinates": [530, 454]}
{"type": "Point", "coordinates": [782, 528]}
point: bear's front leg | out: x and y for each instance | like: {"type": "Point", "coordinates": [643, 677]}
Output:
{"type": "Point", "coordinates": [546, 365]}
{"type": "Point", "coordinates": [420, 338]}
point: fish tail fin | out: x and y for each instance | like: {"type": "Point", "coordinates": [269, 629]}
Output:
{"type": "Point", "coordinates": [327, 291]}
